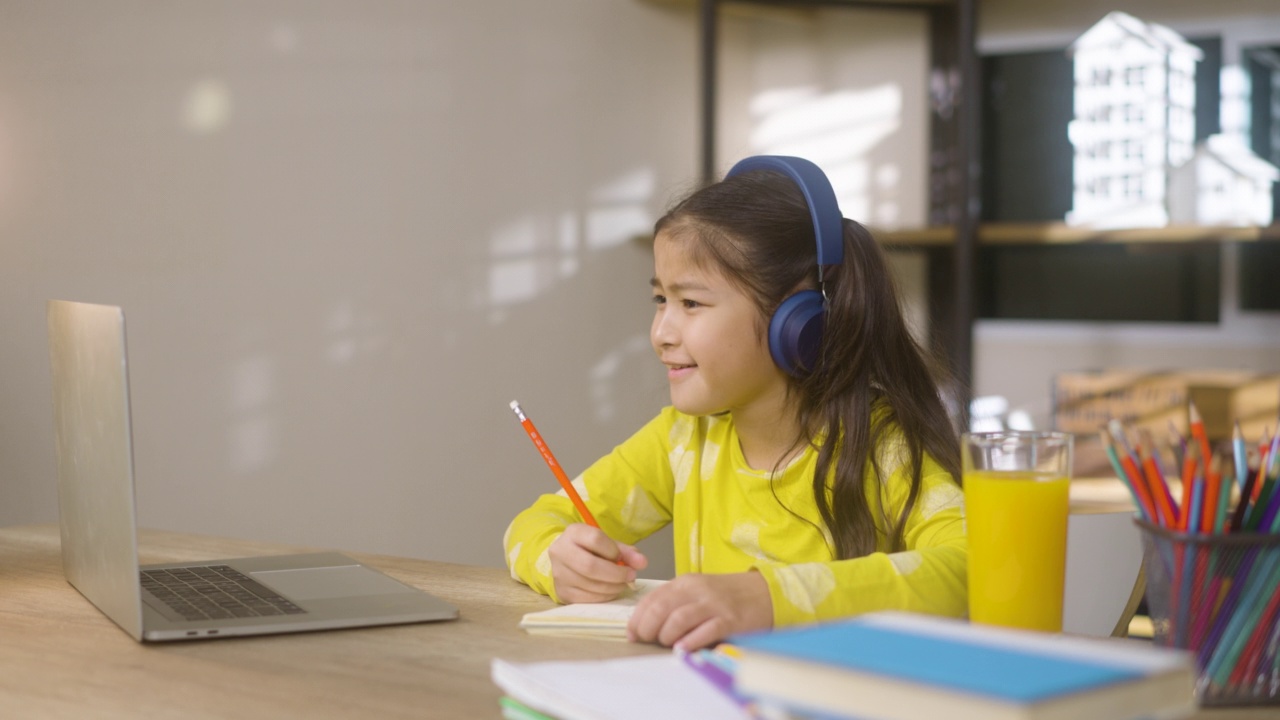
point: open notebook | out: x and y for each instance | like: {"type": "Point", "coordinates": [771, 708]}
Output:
{"type": "Point", "coordinates": [606, 620]}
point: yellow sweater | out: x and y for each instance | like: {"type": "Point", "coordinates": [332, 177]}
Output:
{"type": "Point", "coordinates": [690, 472]}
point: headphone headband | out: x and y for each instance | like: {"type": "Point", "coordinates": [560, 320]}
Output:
{"type": "Point", "coordinates": [828, 223]}
{"type": "Point", "coordinates": [797, 325]}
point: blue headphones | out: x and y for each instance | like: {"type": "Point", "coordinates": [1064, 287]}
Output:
{"type": "Point", "coordinates": [795, 330]}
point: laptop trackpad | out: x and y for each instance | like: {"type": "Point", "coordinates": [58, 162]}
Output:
{"type": "Point", "coordinates": [331, 582]}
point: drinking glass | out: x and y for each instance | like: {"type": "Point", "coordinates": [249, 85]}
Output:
{"type": "Point", "coordinates": [1015, 495]}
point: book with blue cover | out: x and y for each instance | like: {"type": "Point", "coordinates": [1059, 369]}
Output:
{"type": "Point", "coordinates": [897, 665]}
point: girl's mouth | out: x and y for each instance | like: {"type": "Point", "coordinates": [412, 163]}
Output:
{"type": "Point", "coordinates": [675, 372]}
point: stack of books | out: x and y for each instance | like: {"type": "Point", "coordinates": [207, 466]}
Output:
{"type": "Point", "coordinates": [889, 666]}
{"type": "Point", "coordinates": [896, 666]}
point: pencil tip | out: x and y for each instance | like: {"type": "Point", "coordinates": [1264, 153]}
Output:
{"type": "Point", "coordinates": [1195, 414]}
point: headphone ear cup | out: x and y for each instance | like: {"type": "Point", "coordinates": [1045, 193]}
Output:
{"type": "Point", "coordinates": [795, 333]}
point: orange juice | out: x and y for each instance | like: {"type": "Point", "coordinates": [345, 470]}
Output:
{"type": "Point", "coordinates": [1017, 525]}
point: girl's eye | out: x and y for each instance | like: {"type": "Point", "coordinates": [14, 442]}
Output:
{"type": "Point", "coordinates": [659, 300]}
{"type": "Point", "coordinates": [692, 304]}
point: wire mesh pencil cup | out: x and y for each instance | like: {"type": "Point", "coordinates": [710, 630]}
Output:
{"type": "Point", "coordinates": [1219, 597]}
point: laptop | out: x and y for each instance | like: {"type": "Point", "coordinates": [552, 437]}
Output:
{"type": "Point", "coordinates": [179, 601]}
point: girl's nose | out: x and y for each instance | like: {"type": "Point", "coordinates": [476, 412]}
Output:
{"type": "Point", "coordinates": [664, 332]}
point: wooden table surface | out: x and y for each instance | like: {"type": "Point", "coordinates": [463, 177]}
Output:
{"type": "Point", "coordinates": [61, 658]}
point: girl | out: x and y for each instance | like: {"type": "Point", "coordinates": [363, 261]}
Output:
{"type": "Point", "coordinates": [803, 483]}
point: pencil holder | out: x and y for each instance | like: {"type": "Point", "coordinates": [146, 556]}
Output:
{"type": "Point", "coordinates": [1218, 596]}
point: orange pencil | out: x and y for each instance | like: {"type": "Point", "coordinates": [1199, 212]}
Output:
{"type": "Point", "coordinates": [1159, 490]}
{"type": "Point", "coordinates": [1212, 494]}
{"type": "Point", "coordinates": [1197, 432]}
{"type": "Point", "coordinates": [555, 466]}
{"type": "Point", "coordinates": [1130, 464]}
{"type": "Point", "coordinates": [556, 470]}
{"type": "Point", "coordinates": [1188, 477]}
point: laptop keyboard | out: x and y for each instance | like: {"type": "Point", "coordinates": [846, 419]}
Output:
{"type": "Point", "coordinates": [215, 592]}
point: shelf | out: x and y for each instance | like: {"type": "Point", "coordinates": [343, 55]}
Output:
{"type": "Point", "coordinates": [1057, 233]}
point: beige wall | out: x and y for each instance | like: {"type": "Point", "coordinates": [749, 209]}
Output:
{"type": "Point", "coordinates": [347, 234]}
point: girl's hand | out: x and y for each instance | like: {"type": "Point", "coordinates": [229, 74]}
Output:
{"type": "Point", "coordinates": [695, 610]}
{"type": "Point", "coordinates": [584, 565]}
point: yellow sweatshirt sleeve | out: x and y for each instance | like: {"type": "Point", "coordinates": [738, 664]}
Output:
{"type": "Point", "coordinates": [929, 576]}
{"type": "Point", "coordinates": [628, 492]}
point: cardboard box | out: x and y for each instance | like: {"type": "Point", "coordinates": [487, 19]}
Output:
{"type": "Point", "coordinates": [1083, 402]}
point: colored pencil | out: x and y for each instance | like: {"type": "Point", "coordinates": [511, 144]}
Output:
{"type": "Point", "coordinates": [1132, 466]}
{"type": "Point", "coordinates": [1242, 610]}
{"type": "Point", "coordinates": [1241, 455]}
{"type": "Point", "coordinates": [1156, 477]}
{"type": "Point", "coordinates": [1222, 598]}
{"type": "Point", "coordinates": [1197, 431]}
{"type": "Point", "coordinates": [1159, 489]}
{"type": "Point", "coordinates": [1264, 454]}
{"type": "Point", "coordinates": [1177, 443]}
{"type": "Point", "coordinates": [1188, 479]}
{"type": "Point", "coordinates": [1224, 506]}
{"type": "Point", "coordinates": [552, 463]}
{"type": "Point", "coordinates": [1209, 500]}
{"type": "Point", "coordinates": [1237, 521]}
{"type": "Point", "coordinates": [1136, 488]}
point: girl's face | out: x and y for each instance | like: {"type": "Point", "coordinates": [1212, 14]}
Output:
{"type": "Point", "coordinates": [709, 335]}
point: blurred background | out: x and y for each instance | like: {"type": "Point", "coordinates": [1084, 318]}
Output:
{"type": "Point", "coordinates": [347, 235]}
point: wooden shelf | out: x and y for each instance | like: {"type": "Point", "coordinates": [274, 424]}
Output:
{"type": "Point", "coordinates": [1056, 233]}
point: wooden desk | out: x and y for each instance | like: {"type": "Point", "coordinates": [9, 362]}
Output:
{"type": "Point", "coordinates": [61, 658]}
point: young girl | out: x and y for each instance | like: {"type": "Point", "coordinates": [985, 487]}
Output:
{"type": "Point", "coordinates": [825, 489]}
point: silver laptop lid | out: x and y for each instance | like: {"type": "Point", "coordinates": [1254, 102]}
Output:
{"type": "Point", "coordinates": [95, 458]}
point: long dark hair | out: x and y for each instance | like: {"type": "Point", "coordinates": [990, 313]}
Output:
{"type": "Point", "coordinates": [873, 400]}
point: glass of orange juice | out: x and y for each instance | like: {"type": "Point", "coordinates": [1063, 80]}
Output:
{"type": "Point", "coordinates": [1015, 497]}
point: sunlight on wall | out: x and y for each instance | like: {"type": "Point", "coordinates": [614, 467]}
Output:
{"type": "Point", "coordinates": [513, 276]}
{"type": "Point", "coordinates": [531, 254]}
{"type": "Point", "coordinates": [254, 435]}
{"type": "Point", "coordinates": [836, 130]}
{"type": "Point", "coordinates": [351, 335]}
{"type": "Point", "coordinates": [207, 107]}
{"type": "Point", "coordinates": [605, 372]}
{"type": "Point", "coordinates": [619, 210]}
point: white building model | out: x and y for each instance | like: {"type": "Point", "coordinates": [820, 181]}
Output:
{"type": "Point", "coordinates": [1134, 120]}
{"type": "Point", "coordinates": [1136, 162]}
{"type": "Point", "coordinates": [1224, 183]}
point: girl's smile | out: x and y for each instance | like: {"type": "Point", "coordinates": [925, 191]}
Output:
{"type": "Point", "coordinates": [675, 373]}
